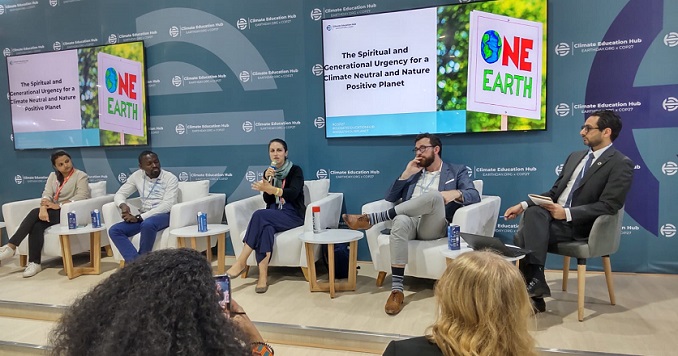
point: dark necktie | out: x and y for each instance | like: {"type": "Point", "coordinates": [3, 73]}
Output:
{"type": "Point", "coordinates": [578, 180]}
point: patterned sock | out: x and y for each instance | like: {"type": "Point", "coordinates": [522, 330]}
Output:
{"type": "Point", "coordinates": [376, 218]}
{"type": "Point", "coordinates": [397, 277]}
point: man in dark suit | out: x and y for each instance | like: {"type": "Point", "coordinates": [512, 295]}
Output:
{"type": "Point", "coordinates": [431, 192]}
{"type": "Point", "coordinates": [593, 182]}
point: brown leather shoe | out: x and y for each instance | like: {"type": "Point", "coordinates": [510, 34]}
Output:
{"type": "Point", "coordinates": [394, 304]}
{"type": "Point", "coordinates": [357, 222]}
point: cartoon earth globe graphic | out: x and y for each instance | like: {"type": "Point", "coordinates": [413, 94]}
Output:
{"type": "Point", "coordinates": [490, 46]}
{"type": "Point", "coordinates": [111, 80]}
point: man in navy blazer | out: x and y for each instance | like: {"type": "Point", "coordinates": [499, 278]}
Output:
{"type": "Point", "coordinates": [431, 191]}
{"type": "Point", "coordinates": [580, 195]}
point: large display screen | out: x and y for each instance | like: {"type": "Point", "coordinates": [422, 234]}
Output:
{"type": "Point", "coordinates": [475, 67]}
{"type": "Point", "coordinates": [86, 97]}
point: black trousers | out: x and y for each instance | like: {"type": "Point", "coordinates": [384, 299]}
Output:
{"type": "Point", "coordinates": [35, 229]}
{"type": "Point", "coordinates": [540, 230]}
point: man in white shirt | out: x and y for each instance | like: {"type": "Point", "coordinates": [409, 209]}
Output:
{"type": "Point", "coordinates": [158, 191]}
{"type": "Point", "coordinates": [593, 182]}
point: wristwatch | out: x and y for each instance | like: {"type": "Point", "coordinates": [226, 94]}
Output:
{"type": "Point", "coordinates": [139, 218]}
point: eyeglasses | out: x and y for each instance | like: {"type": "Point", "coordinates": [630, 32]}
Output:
{"type": "Point", "coordinates": [588, 128]}
{"type": "Point", "coordinates": [421, 149]}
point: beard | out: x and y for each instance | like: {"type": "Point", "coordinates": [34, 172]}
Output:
{"type": "Point", "coordinates": [426, 161]}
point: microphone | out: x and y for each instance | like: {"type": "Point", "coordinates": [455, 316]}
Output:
{"type": "Point", "coordinates": [273, 163]}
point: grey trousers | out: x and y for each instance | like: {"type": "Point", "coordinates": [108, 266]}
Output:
{"type": "Point", "coordinates": [421, 218]}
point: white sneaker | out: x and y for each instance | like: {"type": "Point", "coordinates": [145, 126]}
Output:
{"type": "Point", "coordinates": [6, 252]}
{"type": "Point", "coordinates": [32, 269]}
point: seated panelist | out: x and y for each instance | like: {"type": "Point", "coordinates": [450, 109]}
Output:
{"type": "Point", "coordinates": [431, 191]}
{"type": "Point", "coordinates": [283, 192]}
{"type": "Point", "coordinates": [158, 190]}
{"type": "Point", "coordinates": [66, 184]}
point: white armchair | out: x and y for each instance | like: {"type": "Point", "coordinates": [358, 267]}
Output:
{"type": "Point", "coordinates": [193, 197]}
{"type": "Point", "coordinates": [288, 249]}
{"type": "Point", "coordinates": [425, 258]}
{"type": "Point", "coordinates": [15, 212]}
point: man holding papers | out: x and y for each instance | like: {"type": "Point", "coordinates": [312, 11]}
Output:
{"type": "Point", "coordinates": [431, 192]}
{"type": "Point", "coordinates": [593, 182]}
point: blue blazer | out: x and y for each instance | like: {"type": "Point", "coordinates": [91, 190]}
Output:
{"type": "Point", "coordinates": [452, 176]}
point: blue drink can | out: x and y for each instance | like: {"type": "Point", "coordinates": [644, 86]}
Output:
{"type": "Point", "coordinates": [453, 237]}
{"type": "Point", "coordinates": [96, 218]}
{"type": "Point", "coordinates": [202, 222]}
{"type": "Point", "coordinates": [72, 222]}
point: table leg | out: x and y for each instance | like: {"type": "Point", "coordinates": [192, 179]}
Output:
{"type": "Point", "coordinates": [310, 261]}
{"type": "Point", "coordinates": [180, 242]}
{"type": "Point", "coordinates": [95, 240]}
{"type": "Point", "coordinates": [208, 252]}
{"type": "Point", "coordinates": [66, 255]}
{"type": "Point", "coordinates": [194, 243]}
{"type": "Point", "coordinates": [221, 253]}
{"type": "Point", "coordinates": [352, 264]}
{"type": "Point", "coordinates": [330, 262]}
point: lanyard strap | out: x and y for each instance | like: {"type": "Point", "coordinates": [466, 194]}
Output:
{"type": "Point", "coordinates": [56, 195]}
{"type": "Point", "coordinates": [151, 191]}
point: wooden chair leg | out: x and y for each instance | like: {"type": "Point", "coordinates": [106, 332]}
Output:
{"type": "Point", "coordinates": [566, 271]}
{"type": "Point", "coordinates": [380, 278]}
{"type": "Point", "coordinates": [23, 260]}
{"type": "Point", "coordinates": [244, 274]}
{"type": "Point", "coordinates": [305, 271]}
{"type": "Point", "coordinates": [109, 251]}
{"type": "Point", "coordinates": [581, 286]}
{"type": "Point", "coordinates": [122, 264]}
{"type": "Point", "coordinates": [607, 267]}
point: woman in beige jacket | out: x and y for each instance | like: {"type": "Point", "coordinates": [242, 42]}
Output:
{"type": "Point", "coordinates": [66, 184]}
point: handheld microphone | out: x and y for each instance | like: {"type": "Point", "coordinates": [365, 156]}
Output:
{"type": "Point", "coordinates": [273, 163]}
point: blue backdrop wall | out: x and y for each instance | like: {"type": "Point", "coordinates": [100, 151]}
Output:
{"type": "Point", "coordinates": [225, 77]}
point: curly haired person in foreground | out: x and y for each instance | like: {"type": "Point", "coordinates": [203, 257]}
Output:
{"type": "Point", "coordinates": [164, 303]}
{"type": "Point", "coordinates": [483, 310]}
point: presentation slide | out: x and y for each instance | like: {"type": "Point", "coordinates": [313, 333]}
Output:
{"type": "Point", "coordinates": [84, 97]}
{"type": "Point", "coordinates": [414, 71]}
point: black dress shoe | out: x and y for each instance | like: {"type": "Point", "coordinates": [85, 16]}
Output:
{"type": "Point", "coordinates": [538, 305]}
{"type": "Point", "coordinates": [538, 288]}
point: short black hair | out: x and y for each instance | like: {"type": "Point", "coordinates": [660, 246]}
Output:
{"type": "Point", "coordinates": [609, 119]}
{"type": "Point", "coordinates": [435, 140]}
{"type": "Point", "coordinates": [146, 153]}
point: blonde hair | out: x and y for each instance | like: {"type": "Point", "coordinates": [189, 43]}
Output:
{"type": "Point", "coordinates": [483, 308]}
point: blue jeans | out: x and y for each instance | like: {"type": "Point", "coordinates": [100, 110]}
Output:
{"type": "Point", "coordinates": [122, 231]}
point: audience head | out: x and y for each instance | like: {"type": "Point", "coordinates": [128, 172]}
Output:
{"type": "Point", "coordinates": [62, 163]}
{"type": "Point", "coordinates": [483, 308]}
{"type": "Point", "coordinates": [277, 150]}
{"type": "Point", "coordinates": [164, 303]}
{"type": "Point", "coordinates": [149, 163]}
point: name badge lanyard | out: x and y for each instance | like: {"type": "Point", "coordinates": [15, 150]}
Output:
{"type": "Point", "coordinates": [150, 192]}
{"type": "Point", "coordinates": [56, 195]}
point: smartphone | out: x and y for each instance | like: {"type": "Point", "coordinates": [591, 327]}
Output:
{"type": "Point", "coordinates": [223, 290]}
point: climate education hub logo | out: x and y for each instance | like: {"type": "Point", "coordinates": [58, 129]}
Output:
{"type": "Point", "coordinates": [247, 126]}
{"type": "Point", "coordinates": [57, 46]}
{"type": "Point", "coordinates": [562, 109]}
{"type": "Point", "coordinates": [670, 168]}
{"type": "Point", "coordinates": [112, 38]}
{"type": "Point", "coordinates": [670, 104]}
{"type": "Point", "coordinates": [316, 14]}
{"type": "Point", "coordinates": [244, 76]}
{"type": "Point", "coordinates": [319, 122]}
{"type": "Point", "coordinates": [122, 178]}
{"type": "Point", "coordinates": [18, 179]}
{"type": "Point", "coordinates": [317, 70]}
{"type": "Point", "coordinates": [668, 230]}
{"type": "Point", "coordinates": [562, 49]}
{"type": "Point", "coordinates": [321, 174]}
{"type": "Point", "coordinates": [174, 31]}
{"type": "Point", "coordinates": [2, 9]}
{"type": "Point", "coordinates": [671, 39]}
{"type": "Point", "coordinates": [242, 24]}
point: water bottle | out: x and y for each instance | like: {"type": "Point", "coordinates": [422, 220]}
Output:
{"type": "Point", "coordinates": [453, 237]}
{"type": "Point", "coordinates": [96, 222]}
{"type": "Point", "coordinates": [316, 219]}
{"type": "Point", "coordinates": [202, 222]}
{"type": "Point", "coordinates": [72, 222]}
